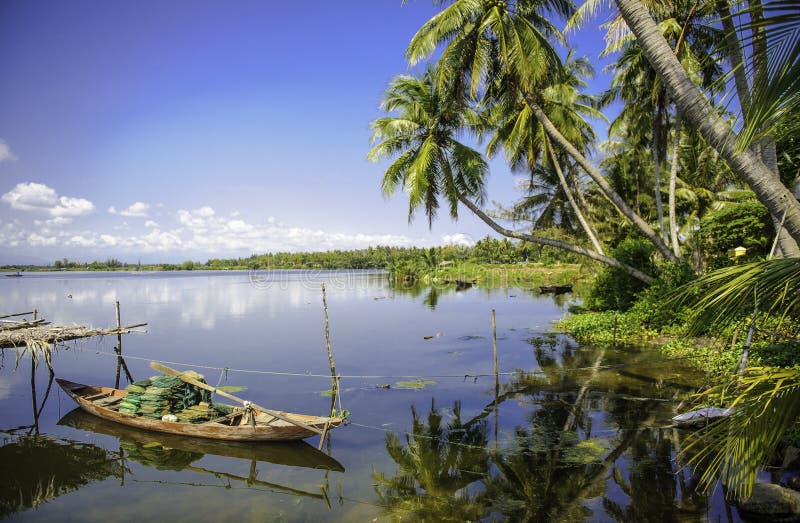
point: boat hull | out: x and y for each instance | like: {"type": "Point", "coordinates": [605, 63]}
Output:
{"type": "Point", "coordinates": [277, 430]}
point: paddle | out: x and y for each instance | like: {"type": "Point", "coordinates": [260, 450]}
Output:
{"type": "Point", "coordinates": [172, 372]}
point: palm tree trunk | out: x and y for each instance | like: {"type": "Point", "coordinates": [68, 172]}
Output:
{"type": "Point", "coordinates": [567, 190]}
{"type": "Point", "coordinates": [767, 148]}
{"type": "Point", "coordinates": [611, 262]}
{"type": "Point", "coordinates": [696, 109]}
{"type": "Point", "coordinates": [734, 54]}
{"type": "Point", "coordinates": [600, 180]}
{"type": "Point", "coordinates": [658, 128]}
{"type": "Point", "coordinates": [673, 178]}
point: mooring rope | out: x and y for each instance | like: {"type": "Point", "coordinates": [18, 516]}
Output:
{"type": "Point", "coordinates": [472, 375]}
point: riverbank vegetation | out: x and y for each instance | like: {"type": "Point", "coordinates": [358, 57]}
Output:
{"type": "Point", "coordinates": [491, 261]}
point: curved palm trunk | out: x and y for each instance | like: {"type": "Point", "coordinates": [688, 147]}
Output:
{"type": "Point", "coordinates": [611, 262]}
{"type": "Point", "coordinates": [673, 178]}
{"type": "Point", "coordinates": [696, 109]}
{"type": "Point", "coordinates": [600, 180]}
{"type": "Point", "coordinates": [568, 191]}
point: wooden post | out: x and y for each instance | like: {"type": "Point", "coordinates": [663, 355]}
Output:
{"type": "Point", "coordinates": [118, 348]}
{"type": "Point", "coordinates": [494, 344]}
{"type": "Point", "coordinates": [120, 362]}
{"type": "Point", "coordinates": [334, 379]}
{"type": "Point", "coordinates": [496, 378]}
{"type": "Point", "coordinates": [35, 314]}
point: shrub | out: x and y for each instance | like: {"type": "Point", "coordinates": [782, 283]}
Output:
{"type": "Point", "coordinates": [614, 289]}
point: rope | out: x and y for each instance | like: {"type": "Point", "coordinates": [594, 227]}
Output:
{"type": "Point", "coordinates": [777, 335]}
{"type": "Point", "coordinates": [474, 376]}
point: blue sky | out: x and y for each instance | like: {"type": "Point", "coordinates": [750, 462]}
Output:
{"type": "Point", "coordinates": [166, 131]}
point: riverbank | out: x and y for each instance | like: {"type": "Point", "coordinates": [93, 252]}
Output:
{"type": "Point", "coordinates": [508, 274]}
{"type": "Point", "coordinates": [718, 356]}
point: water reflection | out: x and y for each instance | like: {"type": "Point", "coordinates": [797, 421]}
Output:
{"type": "Point", "coordinates": [439, 459]}
{"type": "Point", "coordinates": [594, 444]}
{"type": "Point", "coordinates": [170, 451]}
{"type": "Point", "coordinates": [37, 468]}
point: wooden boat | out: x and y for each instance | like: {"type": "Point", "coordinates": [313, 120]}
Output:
{"type": "Point", "coordinates": [286, 453]}
{"type": "Point", "coordinates": [17, 275]}
{"type": "Point", "coordinates": [102, 402]}
{"type": "Point", "coordinates": [556, 289]}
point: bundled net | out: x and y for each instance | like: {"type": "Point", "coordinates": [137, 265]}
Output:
{"type": "Point", "coordinates": [161, 395]}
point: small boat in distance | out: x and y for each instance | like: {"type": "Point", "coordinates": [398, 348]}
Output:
{"type": "Point", "coordinates": [556, 289]}
{"type": "Point", "coordinates": [17, 275]}
{"type": "Point", "coordinates": [244, 424]}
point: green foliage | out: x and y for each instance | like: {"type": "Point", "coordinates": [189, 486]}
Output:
{"type": "Point", "coordinates": [605, 327]}
{"type": "Point", "coordinates": [649, 308]}
{"type": "Point", "coordinates": [744, 224]}
{"type": "Point", "coordinates": [418, 384]}
{"type": "Point", "coordinates": [733, 450]}
{"type": "Point", "coordinates": [728, 294]}
{"type": "Point", "coordinates": [615, 290]}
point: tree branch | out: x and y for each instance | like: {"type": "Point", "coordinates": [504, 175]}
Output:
{"type": "Point", "coordinates": [611, 262]}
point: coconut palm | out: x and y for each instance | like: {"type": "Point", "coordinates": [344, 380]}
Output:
{"type": "Point", "coordinates": [766, 401]}
{"type": "Point", "coordinates": [483, 39]}
{"type": "Point", "coordinates": [685, 25]}
{"type": "Point", "coordinates": [528, 149]}
{"type": "Point", "coordinates": [431, 163]}
{"type": "Point", "coordinates": [698, 111]}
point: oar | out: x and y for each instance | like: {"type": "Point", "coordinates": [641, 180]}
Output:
{"type": "Point", "coordinates": [172, 372]}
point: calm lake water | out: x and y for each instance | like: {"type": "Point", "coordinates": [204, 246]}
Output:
{"type": "Point", "coordinates": [551, 444]}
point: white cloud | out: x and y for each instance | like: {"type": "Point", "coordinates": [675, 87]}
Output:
{"type": "Point", "coordinates": [58, 221]}
{"type": "Point", "coordinates": [136, 210]}
{"type": "Point", "coordinates": [460, 239]}
{"type": "Point", "coordinates": [112, 210]}
{"type": "Point", "coordinates": [199, 232]}
{"type": "Point", "coordinates": [41, 198]}
{"type": "Point", "coordinates": [72, 207]}
{"type": "Point", "coordinates": [37, 240]}
{"type": "Point", "coordinates": [5, 152]}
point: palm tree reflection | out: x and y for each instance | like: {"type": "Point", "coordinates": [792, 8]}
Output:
{"type": "Point", "coordinates": [437, 463]}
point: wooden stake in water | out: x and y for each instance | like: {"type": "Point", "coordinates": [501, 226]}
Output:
{"type": "Point", "coordinates": [494, 344]}
{"type": "Point", "coordinates": [496, 379]}
{"type": "Point", "coordinates": [120, 362]}
{"type": "Point", "coordinates": [334, 380]}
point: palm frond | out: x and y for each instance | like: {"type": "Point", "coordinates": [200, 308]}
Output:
{"type": "Point", "coordinates": [734, 449]}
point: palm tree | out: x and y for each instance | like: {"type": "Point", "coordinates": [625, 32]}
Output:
{"type": "Point", "coordinates": [698, 111]}
{"type": "Point", "coordinates": [526, 145]}
{"type": "Point", "coordinates": [685, 26]}
{"type": "Point", "coordinates": [431, 163]}
{"type": "Point", "coordinates": [483, 39]}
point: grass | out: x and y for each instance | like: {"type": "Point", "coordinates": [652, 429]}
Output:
{"type": "Point", "coordinates": [509, 275]}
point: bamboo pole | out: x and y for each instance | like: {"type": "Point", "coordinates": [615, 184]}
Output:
{"type": "Point", "coordinates": [17, 314]}
{"type": "Point", "coordinates": [334, 378]}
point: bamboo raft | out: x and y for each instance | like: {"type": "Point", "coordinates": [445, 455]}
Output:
{"type": "Point", "coordinates": [38, 332]}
